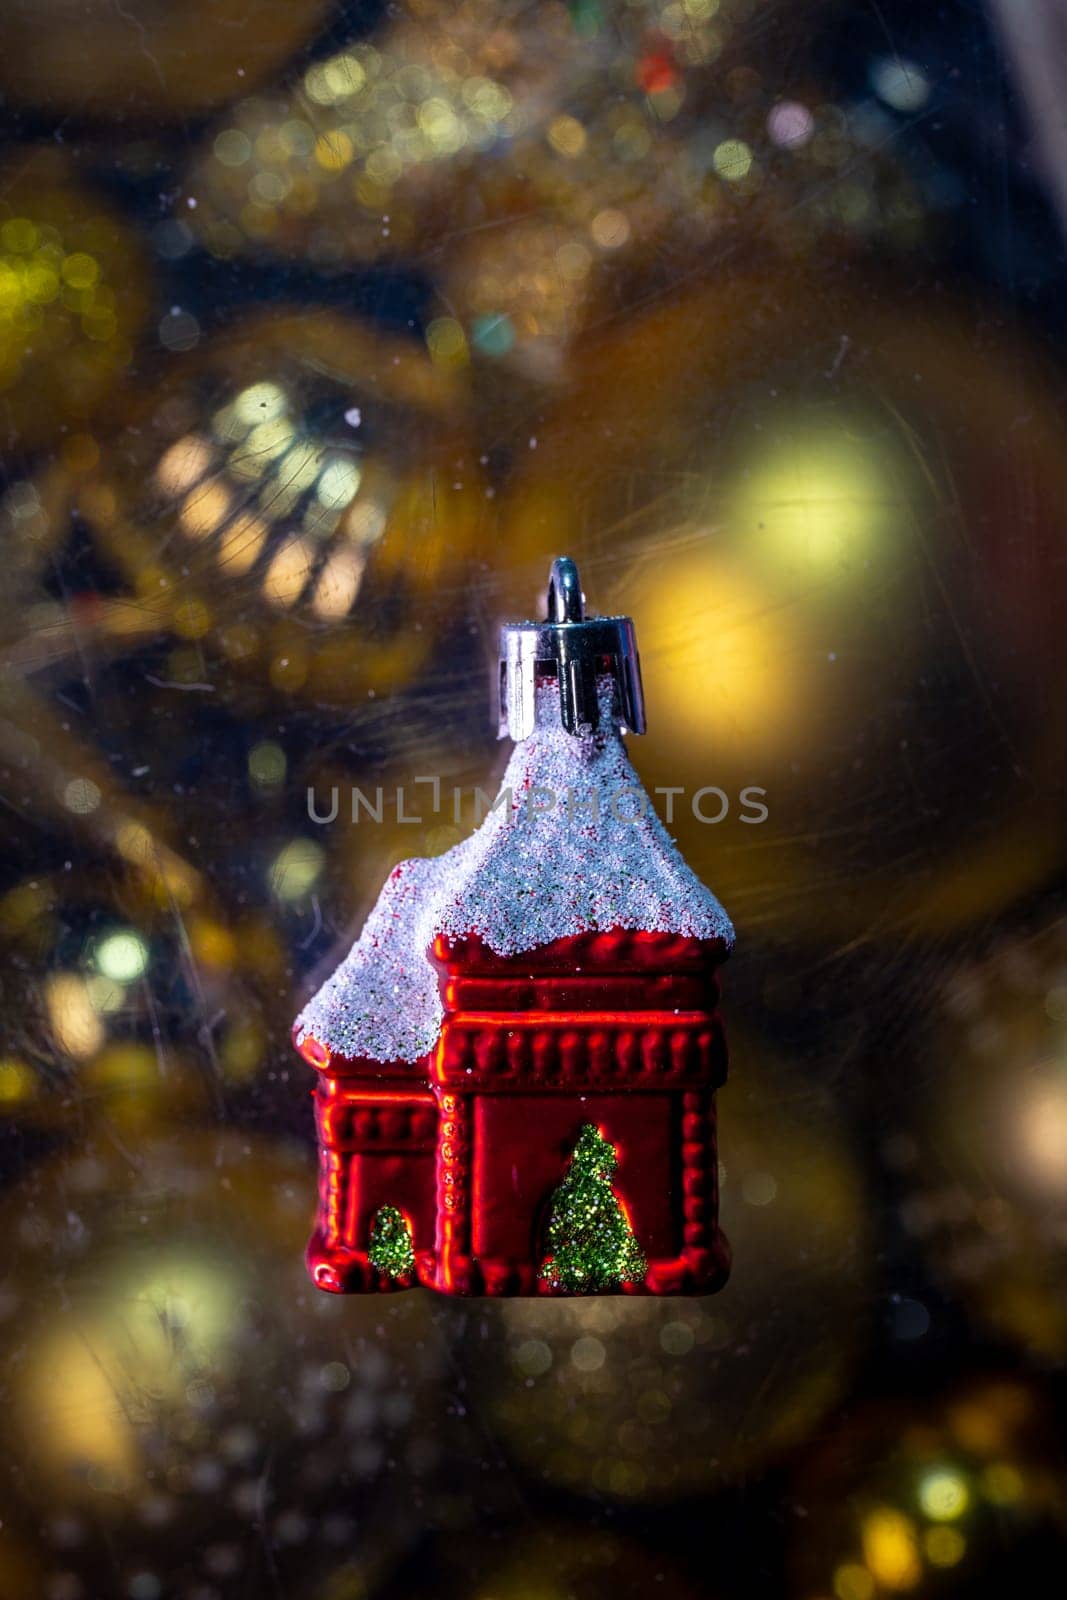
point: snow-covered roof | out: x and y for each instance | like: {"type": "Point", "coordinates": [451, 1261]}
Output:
{"type": "Point", "coordinates": [541, 867]}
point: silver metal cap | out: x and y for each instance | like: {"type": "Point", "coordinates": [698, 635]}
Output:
{"type": "Point", "coordinates": [575, 650]}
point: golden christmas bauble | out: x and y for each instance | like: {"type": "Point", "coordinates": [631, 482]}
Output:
{"type": "Point", "coordinates": [421, 132]}
{"type": "Point", "coordinates": [535, 160]}
{"type": "Point", "coordinates": [807, 498]}
{"type": "Point", "coordinates": [183, 1402]}
{"type": "Point", "coordinates": [289, 497]}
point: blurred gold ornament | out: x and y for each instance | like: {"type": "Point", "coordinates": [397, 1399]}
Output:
{"type": "Point", "coordinates": [529, 152]}
{"type": "Point", "coordinates": [73, 297]}
{"type": "Point", "coordinates": [364, 154]}
{"type": "Point", "coordinates": [647, 1400]}
{"type": "Point", "coordinates": [983, 1161]}
{"type": "Point", "coordinates": [295, 488]}
{"type": "Point", "coordinates": [591, 217]}
{"type": "Point", "coordinates": [800, 484]}
{"type": "Point", "coordinates": [903, 1498]}
{"type": "Point", "coordinates": [168, 1363]}
{"type": "Point", "coordinates": [167, 60]}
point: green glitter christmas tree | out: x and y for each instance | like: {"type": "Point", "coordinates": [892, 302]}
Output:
{"type": "Point", "coordinates": [390, 1248]}
{"type": "Point", "coordinates": [592, 1246]}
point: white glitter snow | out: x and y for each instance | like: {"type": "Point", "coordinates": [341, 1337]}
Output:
{"type": "Point", "coordinates": [530, 874]}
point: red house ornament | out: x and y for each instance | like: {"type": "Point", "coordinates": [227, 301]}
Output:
{"type": "Point", "coordinates": [517, 1061]}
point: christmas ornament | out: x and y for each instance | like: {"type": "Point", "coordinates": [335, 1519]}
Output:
{"type": "Point", "coordinates": [620, 202]}
{"type": "Point", "coordinates": [425, 129]}
{"type": "Point", "coordinates": [536, 156]}
{"type": "Point", "coordinates": [521, 1051]}
{"type": "Point", "coordinates": [819, 506]}
{"type": "Point", "coordinates": [284, 496]}
{"type": "Point", "coordinates": [182, 1403]}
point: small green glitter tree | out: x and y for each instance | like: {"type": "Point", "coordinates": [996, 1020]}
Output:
{"type": "Point", "coordinates": [391, 1249]}
{"type": "Point", "coordinates": [591, 1244]}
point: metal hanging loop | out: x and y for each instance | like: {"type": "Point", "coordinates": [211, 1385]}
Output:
{"type": "Point", "coordinates": [566, 602]}
{"type": "Point", "coordinates": [579, 652]}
